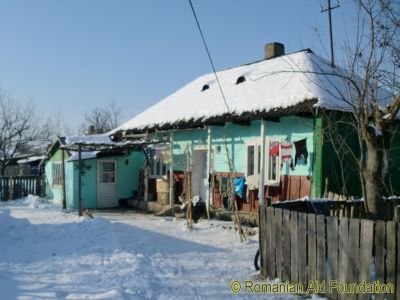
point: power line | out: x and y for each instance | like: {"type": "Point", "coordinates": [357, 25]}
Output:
{"type": "Point", "coordinates": [329, 10]}
{"type": "Point", "coordinates": [209, 55]}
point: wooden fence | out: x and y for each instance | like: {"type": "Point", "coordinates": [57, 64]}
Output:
{"type": "Point", "coordinates": [20, 186]}
{"type": "Point", "coordinates": [303, 247]}
{"type": "Point", "coordinates": [342, 208]}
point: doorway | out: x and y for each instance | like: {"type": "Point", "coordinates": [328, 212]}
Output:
{"type": "Point", "coordinates": [106, 183]}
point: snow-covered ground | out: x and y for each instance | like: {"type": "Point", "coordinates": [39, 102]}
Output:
{"type": "Point", "coordinates": [49, 254]}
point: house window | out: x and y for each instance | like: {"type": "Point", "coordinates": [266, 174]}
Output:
{"type": "Point", "coordinates": [253, 158]}
{"type": "Point", "coordinates": [253, 163]}
{"type": "Point", "coordinates": [107, 172]}
{"type": "Point", "coordinates": [159, 167]}
{"type": "Point", "coordinates": [56, 172]}
{"type": "Point", "coordinates": [273, 160]}
{"type": "Point", "coordinates": [250, 160]}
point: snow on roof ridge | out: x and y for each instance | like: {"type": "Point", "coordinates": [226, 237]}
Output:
{"type": "Point", "coordinates": [270, 84]}
{"type": "Point", "coordinates": [88, 139]}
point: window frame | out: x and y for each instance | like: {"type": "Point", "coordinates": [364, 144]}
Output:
{"type": "Point", "coordinates": [267, 180]}
{"type": "Point", "coordinates": [56, 174]}
{"type": "Point", "coordinates": [160, 165]}
{"type": "Point", "coordinates": [255, 177]}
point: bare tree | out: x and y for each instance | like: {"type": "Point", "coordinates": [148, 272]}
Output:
{"type": "Point", "coordinates": [54, 127]}
{"type": "Point", "coordinates": [371, 73]}
{"type": "Point", "coordinates": [18, 128]}
{"type": "Point", "coordinates": [102, 119]}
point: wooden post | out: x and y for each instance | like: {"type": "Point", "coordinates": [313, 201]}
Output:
{"type": "Point", "coordinates": [171, 170]}
{"type": "Point", "coordinates": [80, 181]}
{"type": "Point", "coordinates": [232, 196]}
{"type": "Point", "coordinates": [10, 188]}
{"type": "Point", "coordinates": [326, 192]}
{"type": "Point", "coordinates": [64, 200]}
{"type": "Point", "coordinates": [146, 183]}
{"type": "Point", "coordinates": [208, 201]}
{"type": "Point", "coordinates": [188, 189]}
{"type": "Point", "coordinates": [261, 194]}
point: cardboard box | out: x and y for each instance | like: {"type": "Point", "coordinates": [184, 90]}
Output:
{"type": "Point", "coordinates": [163, 198]}
{"type": "Point", "coordinates": [162, 186]}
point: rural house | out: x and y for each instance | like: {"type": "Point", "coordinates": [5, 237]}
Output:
{"type": "Point", "coordinates": [279, 98]}
{"type": "Point", "coordinates": [109, 172]}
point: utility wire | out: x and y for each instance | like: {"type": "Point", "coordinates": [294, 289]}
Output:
{"type": "Point", "coordinates": [209, 55]}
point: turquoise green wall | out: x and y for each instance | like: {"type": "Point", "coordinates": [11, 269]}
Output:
{"type": "Point", "coordinates": [89, 183]}
{"type": "Point", "coordinates": [289, 128]}
{"type": "Point", "coordinates": [128, 173]}
{"type": "Point", "coordinates": [53, 192]}
{"type": "Point", "coordinates": [128, 168]}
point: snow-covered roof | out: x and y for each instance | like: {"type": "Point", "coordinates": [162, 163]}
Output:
{"type": "Point", "coordinates": [30, 159]}
{"type": "Point", "coordinates": [269, 85]}
{"type": "Point", "coordinates": [88, 139]}
{"type": "Point", "coordinates": [84, 155]}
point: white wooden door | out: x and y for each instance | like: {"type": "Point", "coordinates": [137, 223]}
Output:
{"type": "Point", "coordinates": [200, 178]}
{"type": "Point", "coordinates": [107, 183]}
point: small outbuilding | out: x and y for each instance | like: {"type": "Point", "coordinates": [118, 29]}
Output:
{"type": "Point", "coordinates": [109, 171]}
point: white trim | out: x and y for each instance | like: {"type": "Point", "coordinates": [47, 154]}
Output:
{"type": "Point", "coordinates": [209, 192]}
{"type": "Point", "coordinates": [275, 182]}
{"type": "Point", "coordinates": [252, 181]}
{"type": "Point", "coordinates": [261, 191]}
{"type": "Point", "coordinates": [99, 161]}
{"type": "Point", "coordinates": [153, 172]}
{"type": "Point", "coordinates": [200, 147]}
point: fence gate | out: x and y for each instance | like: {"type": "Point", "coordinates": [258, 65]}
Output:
{"type": "Point", "coordinates": [20, 186]}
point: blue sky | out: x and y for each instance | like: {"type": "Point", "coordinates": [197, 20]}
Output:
{"type": "Point", "coordinates": [70, 56]}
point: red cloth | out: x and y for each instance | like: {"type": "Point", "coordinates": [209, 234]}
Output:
{"type": "Point", "coordinates": [274, 149]}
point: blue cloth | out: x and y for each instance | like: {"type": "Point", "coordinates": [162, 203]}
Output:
{"type": "Point", "coordinates": [239, 186]}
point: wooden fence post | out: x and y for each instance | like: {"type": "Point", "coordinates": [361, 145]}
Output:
{"type": "Point", "coordinates": [10, 188]}
{"type": "Point", "coordinates": [278, 242]}
{"type": "Point", "coordinates": [312, 248]}
{"type": "Point", "coordinates": [391, 256]}
{"type": "Point", "coordinates": [320, 229]}
{"type": "Point", "coordinates": [302, 247]}
{"type": "Point", "coordinates": [294, 263]}
{"type": "Point", "coordinates": [286, 245]}
{"type": "Point", "coordinates": [270, 243]}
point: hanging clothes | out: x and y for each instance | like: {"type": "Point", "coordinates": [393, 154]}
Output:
{"type": "Point", "coordinates": [239, 186]}
{"type": "Point", "coordinates": [286, 154]}
{"type": "Point", "coordinates": [274, 149]}
{"type": "Point", "coordinates": [301, 151]}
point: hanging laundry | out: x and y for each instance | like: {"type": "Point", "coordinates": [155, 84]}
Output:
{"type": "Point", "coordinates": [274, 149]}
{"type": "Point", "coordinates": [301, 151]}
{"type": "Point", "coordinates": [286, 154]}
{"type": "Point", "coordinates": [239, 186]}
{"type": "Point", "coordinates": [166, 156]}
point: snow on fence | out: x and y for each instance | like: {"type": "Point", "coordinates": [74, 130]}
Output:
{"type": "Point", "coordinates": [16, 187]}
{"type": "Point", "coordinates": [304, 247]}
